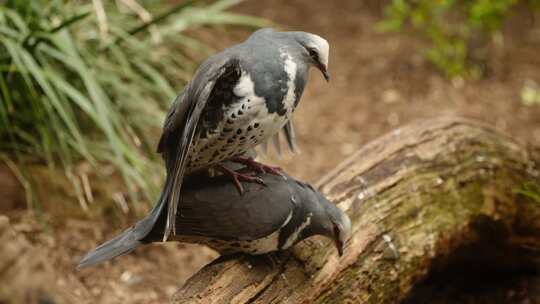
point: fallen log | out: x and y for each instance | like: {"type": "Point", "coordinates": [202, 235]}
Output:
{"type": "Point", "coordinates": [420, 198]}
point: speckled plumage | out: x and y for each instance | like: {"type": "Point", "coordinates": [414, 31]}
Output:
{"type": "Point", "coordinates": [238, 116]}
{"type": "Point", "coordinates": [244, 123]}
{"type": "Point", "coordinates": [236, 100]}
{"type": "Point", "coordinates": [263, 220]}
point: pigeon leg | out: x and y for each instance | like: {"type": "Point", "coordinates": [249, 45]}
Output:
{"type": "Point", "coordinates": [275, 263]}
{"type": "Point", "coordinates": [237, 177]}
{"type": "Point", "coordinates": [262, 168]}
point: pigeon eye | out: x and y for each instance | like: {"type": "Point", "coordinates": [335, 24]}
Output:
{"type": "Point", "coordinates": [313, 54]}
{"type": "Point", "coordinates": [337, 231]}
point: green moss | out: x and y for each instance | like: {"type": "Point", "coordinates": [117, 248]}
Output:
{"type": "Point", "coordinates": [440, 200]}
{"type": "Point", "coordinates": [458, 31]}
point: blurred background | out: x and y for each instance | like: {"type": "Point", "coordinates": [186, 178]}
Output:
{"type": "Point", "coordinates": [84, 86]}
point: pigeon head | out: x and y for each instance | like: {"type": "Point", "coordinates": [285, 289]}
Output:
{"type": "Point", "coordinates": [316, 51]}
{"type": "Point", "coordinates": [307, 47]}
{"type": "Point", "coordinates": [327, 219]}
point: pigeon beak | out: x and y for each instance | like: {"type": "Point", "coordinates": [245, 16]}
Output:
{"type": "Point", "coordinates": [324, 71]}
{"type": "Point", "coordinates": [339, 246]}
{"type": "Point", "coordinates": [326, 75]}
{"type": "Point", "coordinates": [337, 240]}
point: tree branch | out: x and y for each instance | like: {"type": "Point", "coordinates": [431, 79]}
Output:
{"type": "Point", "coordinates": [419, 198]}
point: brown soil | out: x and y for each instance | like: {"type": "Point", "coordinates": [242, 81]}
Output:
{"type": "Point", "coordinates": [380, 81]}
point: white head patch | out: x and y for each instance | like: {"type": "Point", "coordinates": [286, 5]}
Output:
{"type": "Point", "coordinates": [321, 46]}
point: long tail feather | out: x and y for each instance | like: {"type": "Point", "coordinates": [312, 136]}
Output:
{"type": "Point", "coordinates": [290, 136]}
{"type": "Point", "coordinates": [127, 240]}
{"type": "Point", "coordinates": [120, 245]}
{"type": "Point", "coordinates": [264, 148]}
{"type": "Point", "coordinates": [277, 144]}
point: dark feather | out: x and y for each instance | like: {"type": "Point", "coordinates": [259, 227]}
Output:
{"type": "Point", "coordinates": [128, 240]}
{"type": "Point", "coordinates": [290, 135]}
{"type": "Point", "coordinates": [184, 120]}
{"type": "Point", "coordinates": [277, 143]}
{"type": "Point", "coordinates": [221, 212]}
{"type": "Point", "coordinates": [212, 209]}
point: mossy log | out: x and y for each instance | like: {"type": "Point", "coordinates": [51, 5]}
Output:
{"type": "Point", "coordinates": [420, 198]}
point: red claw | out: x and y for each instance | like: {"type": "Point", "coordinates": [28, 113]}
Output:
{"type": "Point", "coordinates": [262, 168]}
{"type": "Point", "coordinates": [238, 177]}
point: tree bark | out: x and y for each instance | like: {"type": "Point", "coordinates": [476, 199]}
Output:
{"type": "Point", "coordinates": [420, 199]}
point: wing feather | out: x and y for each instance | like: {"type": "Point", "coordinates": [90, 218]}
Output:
{"type": "Point", "coordinates": [217, 210]}
{"type": "Point", "coordinates": [290, 135]}
{"type": "Point", "coordinates": [181, 125]}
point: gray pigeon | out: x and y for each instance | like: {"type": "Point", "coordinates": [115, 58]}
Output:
{"type": "Point", "coordinates": [264, 219]}
{"type": "Point", "coordinates": [290, 137]}
{"type": "Point", "coordinates": [237, 99]}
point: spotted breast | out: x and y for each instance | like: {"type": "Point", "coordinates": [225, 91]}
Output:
{"type": "Point", "coordinates": [245, 118]}
{"type": "Point", "coordinates": [236, 99]}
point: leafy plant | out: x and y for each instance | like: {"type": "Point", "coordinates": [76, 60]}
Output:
{"type": "Point", "coordinates": [85, 81]}
{"type": "Point", "coordinates": [530, 190]}
{"type": "Point", "coordinates": [454, 28]}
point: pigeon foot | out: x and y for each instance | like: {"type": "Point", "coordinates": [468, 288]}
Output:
{"type": "Point", "coordinates": [238, 177]}
{"type": "Point", "coordinates": [261, 168]}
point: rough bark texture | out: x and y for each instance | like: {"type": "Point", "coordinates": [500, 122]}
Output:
{"type": "Point", "coordinates": [421, 198]}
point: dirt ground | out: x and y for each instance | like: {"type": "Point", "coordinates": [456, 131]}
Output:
{"type": "Point", "coordinates": [379, 82]}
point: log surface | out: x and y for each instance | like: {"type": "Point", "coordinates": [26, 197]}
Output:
{"type": "Point", "coordinates": [416, 197]}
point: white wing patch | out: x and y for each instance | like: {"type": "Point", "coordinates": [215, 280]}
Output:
{"type": "Point", "coordinates": [249, 120]}
{"type": "Point", "coordinates": [270, 242]}
{"type": "Point", "coordinates": [290, 68]}
{"type": "Point", "coordinates": [271, 123]}
{"type": "Point", "coordinates": [294, 236]}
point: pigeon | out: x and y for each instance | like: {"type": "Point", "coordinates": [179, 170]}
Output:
{"type": "Point", "coordinates": [236, 100]}
{"type": "Point", "coordinates": [265, 219]}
